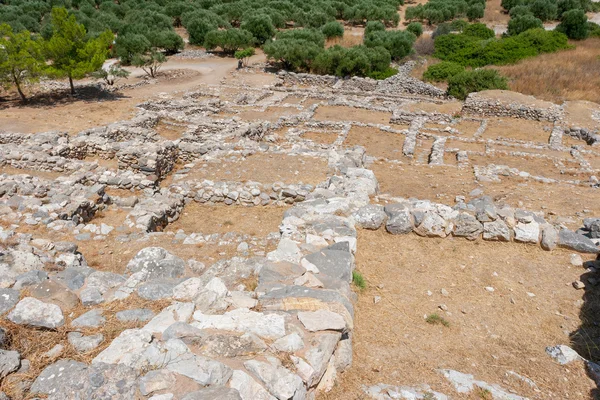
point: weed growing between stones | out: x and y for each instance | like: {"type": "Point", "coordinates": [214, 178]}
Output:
{"type": "Point", "coordinates": [359, 280]}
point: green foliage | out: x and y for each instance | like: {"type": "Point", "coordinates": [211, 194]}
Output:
{"type": "Point", "coordinates": [111, 75]}
{"type": "Point", "coordinates": [198, 29]}
{"type": "Point", "coordinates": [546, 10]}
{"type": "Point", "coordinates": [21, 58]}
{"type": "Point", "coordinates": [518, 11]}
{"type": "Point", "coordinates": [374, 26]}
{"type": "Point", "coordinates": [229, 40]}
{"type": "Point", "coordinates": [244, 55]}
{"type": "Point", "coordinates": [293, 54]}
{"type": "Point", "coordinates": [475, 52]}
{"type": "Point", "coordinates": [127, 46]}
{"type": "Point", "coordinates": [71, 52]}
{"type": "Point", "coordinates": [382, 75]}
{"type": "Point", "coordinates": [333, 29]}
{"type": "Point", "coordinates": [310, 35]}
{"type": "Point", "coordinates": [357, 60]}
{"type": "Point", "coordinates": [260, 26]}
{"type": "Point", "coordinates": [358, 280]}
{"type": "Point", "coordinates": [475, 11]}
{"type": "Point", "coordinates": [574, 24]}
{"type": "Point", "coordinates": [458, 25]}
{"type": "Point", "coordinates": [523, 23]}
{"type": "Point", "coordinates": [436, 319]}
{"type": "Point", "coordinates": [149, 62]}
{"type": "Point", "coordinates": [442, 29]}
{"type": "Point", "coordinates": [442, 71]}
{"type": "Point", "coordinates": [593, 29]}
{"type": "Point", "coordinates": [466, 82]}
{"type": "Point", "coordinates": [480, 31]}
{"type": "Point", "coordinates": [398, 43]}
{"type": "Point", "coordinates": [437, 11]}
{"type": "Point", "coordinates": [415, 28]}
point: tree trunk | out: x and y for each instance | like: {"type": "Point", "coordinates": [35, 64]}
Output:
{"type": "Point", "coordinates": [72, 86]}
{"type": "Point", "coordinates": [18, 85]}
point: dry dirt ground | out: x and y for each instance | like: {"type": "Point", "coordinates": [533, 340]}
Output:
{"type": "Point", "coordinates": [491, 333]}
{"type": "Point", "coordinates": [533, 304]}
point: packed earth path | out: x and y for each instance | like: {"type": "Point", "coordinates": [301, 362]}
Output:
{"type": "Point", "coordinates": [217, 233]}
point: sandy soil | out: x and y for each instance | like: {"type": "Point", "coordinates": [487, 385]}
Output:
{"type": "Point", "coordinates": [282, 168]}
{"type": "Point", "coordinates": [342, 113]}
{"type": "Point", "coordinates": [489, 333]}
{"type": "Point", "coordinates": [254, 221]}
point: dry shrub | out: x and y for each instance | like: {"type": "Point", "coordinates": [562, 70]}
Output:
{"type": "Point", "coordinates": [424, 46]}
{"type": "Point", "coordinates": [32, 343]}
{"type": "Point", "coordinates": [565, 75]}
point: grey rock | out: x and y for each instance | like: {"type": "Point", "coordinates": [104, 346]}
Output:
{"type": "Point", "coordinates": [485, 210]}
{"type": "Point", "coordinates": [65, 247]}
{"type": "Point", "coordinates": [290, 343]}
{"type": "Point", "coordinates": [399, 221]}
{"type": "Point", "coordinates": [388, 392]}
{"type": "Point", "coordinates": [33, 312]}
{"type": "Point", "coordinates": [577, 242]}
{"type": "Point", "coordinates": [104, 281]}
{"type": "Point", "coordinates": [334, 263]}
{"type": "Point", "coordinates": [466, 383]}
{"type": "Point", "coordinates": [176, 312]}
{"type": "Point", "coordinates": [90, 319]}
{"type": "Point", "coordinates": [156, 380]}
{"type": "Point", "coordinates": [52, 292]}
{"type": "Point", "coordinates": [183, 331]}
{"type": "Point", "coordinates": [213, 393]}
{"type": "Point", "coordinates": [467, 226]}
{"type": "Point", "coordinates": [156, 290]}
{"type": "Point", "coordinates": [527, 232]}
{"type": "Point", "coordinates": [563, 354]}
{"type": "Point", "coordinates": [271, 326]}
{"type": "Point", "coordinates": [158, 262]}
{"type": "Point", "coordinates": [10, 361]}
{"type": "Point", "coordinates": [318, 355]}
{"type": "Point", "coordinates": [248, 388]}
{"type": "Point", "coordinates": [370, 216]}
{"type": "Point", "coordinates": [592, 225]}
{"type": "Point", "coordinates": [73, 277]}
{"type": "Point", "coordinates": [496, 230]}
{"type": "Point", "coordinates": [135, 315]}
{"type": "Point", "coordinates": [8, 299]}
{"type": "Point", "coordinates": [91, 296]}
{"type": "Point", "coordinates": [279, 381]}
{"type": "Point", "coordinates": [68, 379]}
{"type": "Point", "coordinates": [29, 279]}
{"type": "Point", "coordinates": [82, 343]}
{"type": "Point", "coordinates": [549, 238]}
{"type": "Point", "coordinates": [231, 346]}
{"type": "Point", "coordinates": [3, 338]}
{"type": "Point", "coordinates": [322, 320]}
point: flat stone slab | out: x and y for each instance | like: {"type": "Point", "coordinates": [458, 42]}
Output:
{"type": "Point", "coordinates": [322, 320]}
{"type": "Point", "coordinates": [577, 242]}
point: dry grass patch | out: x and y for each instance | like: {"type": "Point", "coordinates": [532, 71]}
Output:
{"type": "Point", "coordinates": [32, 343]}
{"type": "Point", "coordinates": [564, 75]}
{"type": "Point", "coordinates": [400, 341]}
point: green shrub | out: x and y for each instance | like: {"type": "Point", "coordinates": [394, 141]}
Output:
{"type": "Point", "coordinates": [546, 10]}
{"type": "Point", "coordinates": [229, 40]}
{"type": "Point", "coordinates": [523, 23]}
{"type": "Point", "coordinates": [466, 82]}
{"type": "Point", "coordinates": [374, 26]}
{"type": "Point", "coordinates": [357, 60]}
{"type": "Point", "coordinates": [520, 11]}
{"type": "Point", "coordinates": [398, 43]}
{"type": "Point", "coordinates": [415, 28]}
{"type": "Point", "coordinates": [293, 54]}
{"type": "Point", "coordinates": [442, 71]}
{"type": "Point", "coordinates": [458, 25]}
{"type": "Point", "coordinates": [309, 35]}
{"type": "Point", "coordinates": [593, 29]}
{"type": "Point", "coordinates": [574, 24]}
{"type": "Point", "coordinates": [436, 319]}
{"type": "Point", "coordinates": [333, 29]}
{"type": "Point", "coordinates": [441, 30]}
{"type": "Point", "coordinates": [479, 31]}
{"type": "Point", "coordinates": [260, 26]}
{"type": "Point", "coordinates": [198, 28]}
{"type": "Point", "coordinates": [475, 11]}
{"type": "Point", "coordinates": [381, 75]}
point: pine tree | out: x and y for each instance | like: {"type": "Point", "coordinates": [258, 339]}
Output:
{"type": "Point", "coordinates": [21, 58]}
{"type": "Point", "coordinates": [71, 52]}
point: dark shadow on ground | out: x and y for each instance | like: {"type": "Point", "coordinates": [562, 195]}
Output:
{"type": "Point", "coordinates": [90, 93]}
{"type": "Point", "coordinates": [586, 339]}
